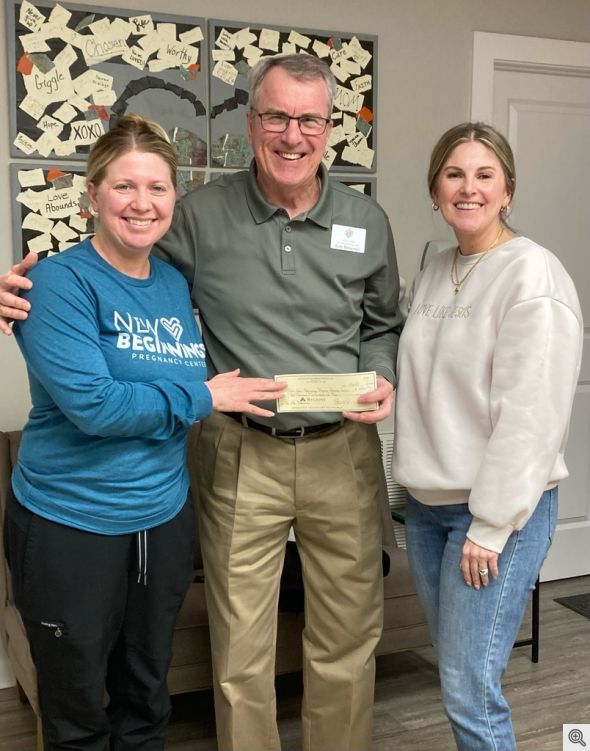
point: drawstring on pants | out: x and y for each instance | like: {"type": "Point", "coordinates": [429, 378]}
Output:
{"type": "Point", "coordinates": [142, 554]}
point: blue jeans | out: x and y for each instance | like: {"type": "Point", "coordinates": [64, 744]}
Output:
{"type": "Point", "coordinates": [474, 631]}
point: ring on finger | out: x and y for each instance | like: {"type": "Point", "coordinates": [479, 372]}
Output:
{"type": "Point", "coordinates": [483, 571]}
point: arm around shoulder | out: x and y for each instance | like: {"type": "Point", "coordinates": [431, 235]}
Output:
{"type": "Point", "coordinates": [13, 307]}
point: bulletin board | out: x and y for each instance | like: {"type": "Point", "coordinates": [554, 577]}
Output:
{"type": "Point", "coordinates": [73, 68]}
{"type": "Point", "coordinates": [51, 210]}
{"type": "Point", "coordinates": [234, 48]}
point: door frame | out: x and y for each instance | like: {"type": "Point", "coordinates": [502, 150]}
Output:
{"type": "Point", "coordinates": [505, 52]}
{"type": "Point", "coordinates": [511, 52]}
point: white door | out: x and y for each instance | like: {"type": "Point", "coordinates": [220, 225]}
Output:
{"type": "Point", "coordinates": [537, 92]}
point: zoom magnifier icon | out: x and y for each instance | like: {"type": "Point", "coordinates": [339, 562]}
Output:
{"type": "Point", "coordinates": [576, 736]}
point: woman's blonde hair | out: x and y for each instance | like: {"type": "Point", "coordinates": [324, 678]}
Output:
{"type": "Point", "coordinates": [131, 132]}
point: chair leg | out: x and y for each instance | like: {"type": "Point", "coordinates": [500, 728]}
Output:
{"type": "Point", "coordinates": [22, 697]}
{"type": "Point", "coordinates": [39, 735]}
{"type": "Point", "coordinates": [533, 640]}
{"type": "Point", "coordinates": [535, 623]}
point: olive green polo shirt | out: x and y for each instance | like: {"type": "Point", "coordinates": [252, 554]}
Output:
{"type": "Point", "coordinates": [313, 294]}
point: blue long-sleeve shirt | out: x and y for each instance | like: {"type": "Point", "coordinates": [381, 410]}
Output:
{"type": "Point", "coordinates": [116, 369]}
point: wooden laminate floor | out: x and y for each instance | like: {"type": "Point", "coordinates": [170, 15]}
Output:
{"type": "Point", "coordinates": [408, 712]}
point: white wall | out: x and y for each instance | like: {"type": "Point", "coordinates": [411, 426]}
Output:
{"type": "Point", "coordinates": [424, 79]}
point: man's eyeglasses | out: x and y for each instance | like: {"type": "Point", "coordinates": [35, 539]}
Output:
{"type": "Point", "coordinates": [276, 122]}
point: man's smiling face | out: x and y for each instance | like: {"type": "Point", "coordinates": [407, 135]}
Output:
{"type": "Point", "coordinates": [289, 160]}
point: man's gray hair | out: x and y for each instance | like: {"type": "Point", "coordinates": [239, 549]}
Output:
{"type": "Point", "coordinates": [302, 67]}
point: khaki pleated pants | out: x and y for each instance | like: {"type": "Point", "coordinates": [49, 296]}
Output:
{"type": "Point", "coordinates": [253, 487]}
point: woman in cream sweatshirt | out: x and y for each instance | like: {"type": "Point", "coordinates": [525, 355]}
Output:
{"type": "Point", "coordinates": [487, 369]}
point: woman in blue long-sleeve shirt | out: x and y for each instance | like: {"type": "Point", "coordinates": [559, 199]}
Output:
{"type": "Point", "coordinates": [99, 524]}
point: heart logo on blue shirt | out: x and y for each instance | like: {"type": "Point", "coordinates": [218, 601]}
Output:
{"type": "Point", "coordinates": [172, 326]}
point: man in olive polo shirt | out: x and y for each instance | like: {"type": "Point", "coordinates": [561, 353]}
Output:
{"type": "Point", "coordinates": [277, 294]}
{"type": "Point", "coordinates": [291, 273]}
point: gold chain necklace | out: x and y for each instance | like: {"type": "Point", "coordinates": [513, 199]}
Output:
{"type": "Point", "coordinates": [458, 283]}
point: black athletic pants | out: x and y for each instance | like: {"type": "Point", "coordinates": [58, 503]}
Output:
{"type": "Point", "coordinates": [93, 626]}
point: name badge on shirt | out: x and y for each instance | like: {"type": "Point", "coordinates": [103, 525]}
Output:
{"type": "Point", "coordinates": [348, 238]}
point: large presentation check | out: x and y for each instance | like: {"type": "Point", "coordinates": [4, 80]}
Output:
{"type": "Point", "coordinates": [326, 392]}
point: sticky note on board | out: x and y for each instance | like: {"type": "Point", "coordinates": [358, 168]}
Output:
{"type": "Point", "coordinates": [158, 65]}
{"type": "Point", "coordinates": [62, 232]}
{"type": "Point", "coordinates": [225, 40]}
{"type": "Point", "coordinates": [351, 67]}
{"type": "Point", "coordinates": [321, 49]}
{"type": "Point", "coordinates": [136, 57]}
{"type": "Point", "coordinates": [192, 36]}
{"type": "Point", "coordinates": [363, 156]}
{"type": "Point", "coordinates": [103, 47]}
{"type": "Point", "coordinates": [64, 148]}
{"type": "Point", "coordinates": [348, 100]}
{"type": "Point", "coordinates": [252, 54]}
{"type": "Point", "coordinates": [66, 113]}
{"type": "Point", "coordinates": [269, 40]}
{"type": "Point", "coordinates": [40, 243]}
{"type": "Point", "coordinates": [84, 133]}
{"type": "Point", "coordinates": [30, 198]}
{"type": "Point", "coordinates": [51, 87]}
{"type": "Point", "coordinates": [25, 144]}
{"type": "Point", "coordinates": [142, 24]}
{"type": "Point", "coordinates": [299, 39]}
{"type": "Point", "coordinates": [30, 177]}
{"type": "Point", "coordinates": [243, 38]}
{"type": "Point", "coordinates": [217, 55]}
{"type": "Point", "coordinates": [340, 74]}
{"type": "Point", "coordinates": [336, 136]}
{"type": "Point", "coordinates": [225, 71]}
{"type": "Point", "coordinates": [45, 143]}
{"type": "Point", "coordinates": [57, 204]}
{"type": "Point", "coordinates": [167, 30]}
{"type": "Point", "coordinates": [78, 223]}
{"type": "Point", "coordinates": [361, 83]}
{"type": "Point", "coordinates": [36, 223]}
{"type": "Point", "coordinates": [32, 107]}
{"type": "Point", "coordinates": [66, 57]}
{"type": "Point", "coordinates": [358, 53]}
{"type": "Point", "coordinates": [178, 53]}
{"type": "Point", "coordinates": [348, 124]}
{"type": "Point", "coordinates": [59, 15]}
{"type": "Point", "coordinates": [338, 54]}
{"type": "Point", "coordinates": [30, 16]}
{"type": "Point", "coordinates": [104, 98]}
{"type": "Point", "coordinates": [33, 43]}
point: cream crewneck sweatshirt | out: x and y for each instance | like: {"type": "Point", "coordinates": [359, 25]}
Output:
{"type": "Point", "coordinates": [486, 380]}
